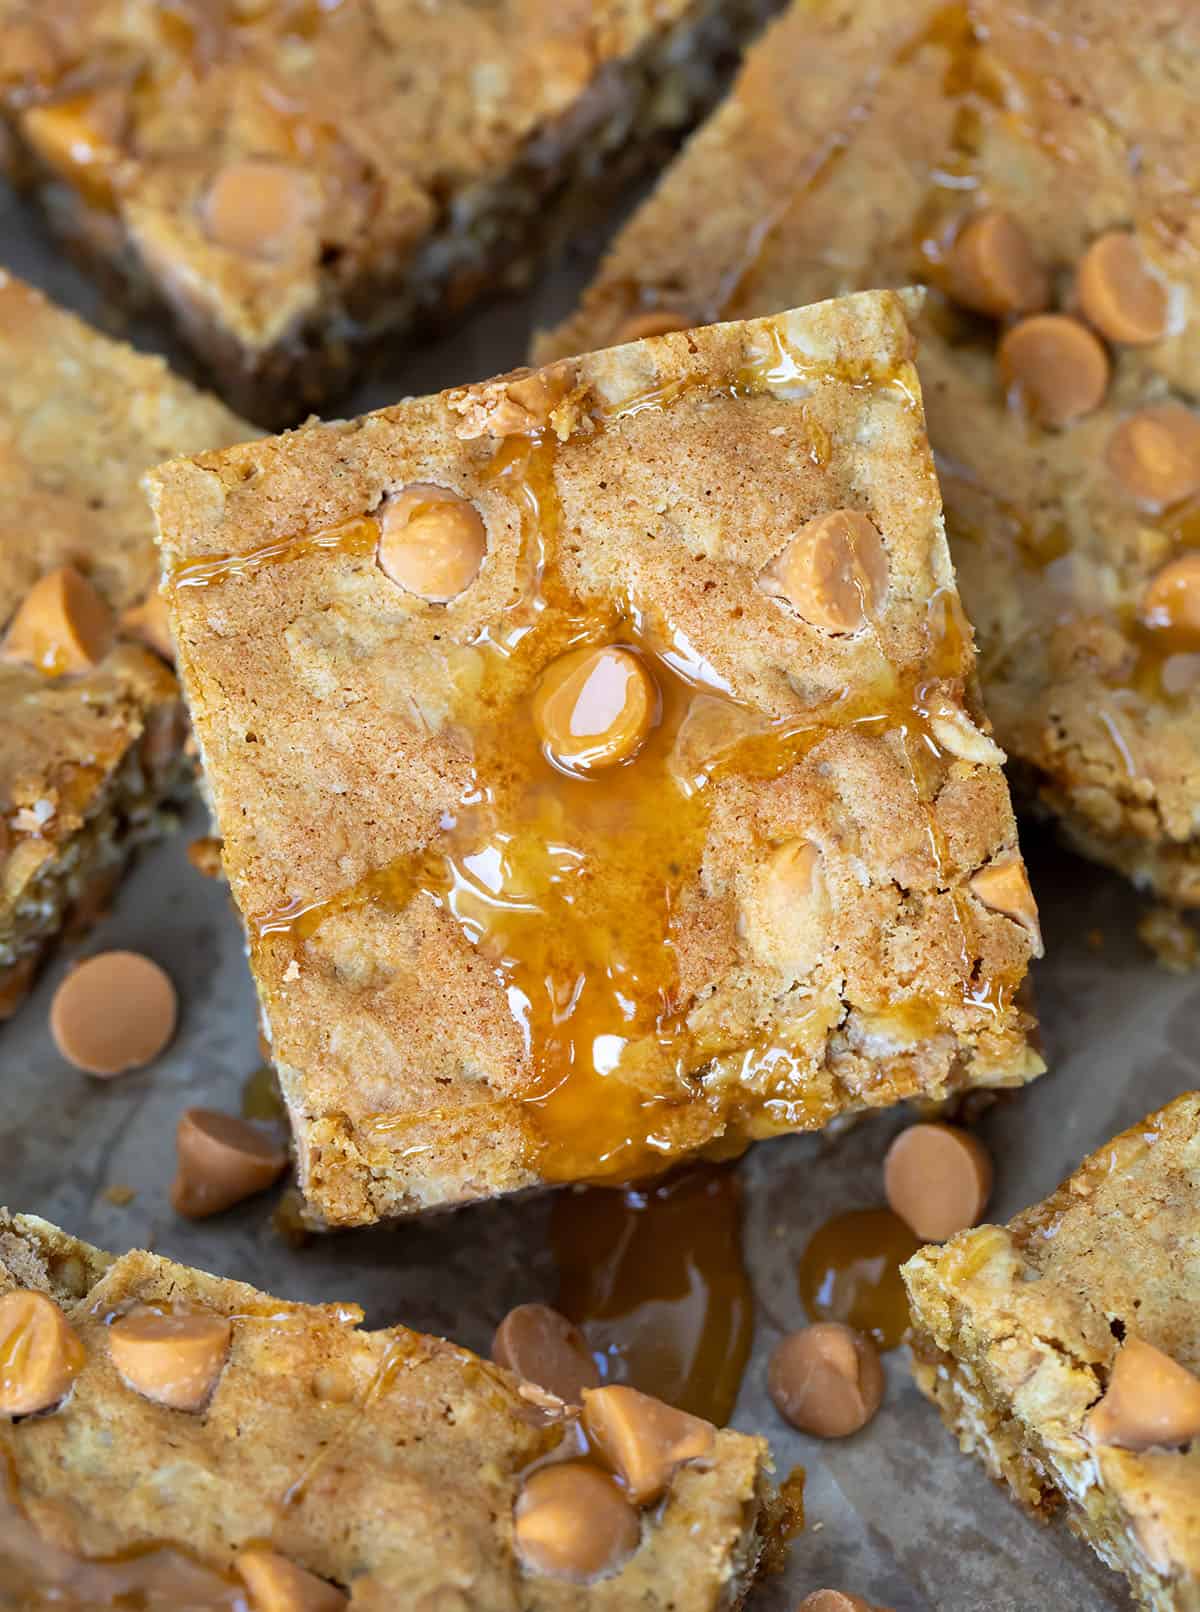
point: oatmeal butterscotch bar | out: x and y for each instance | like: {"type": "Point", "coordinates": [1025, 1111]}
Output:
{"type": "Point", "coordinates": [92, 718]}
{"type": "Point", "coordinates": [1064, 1350]}
{"type": "Point", "coordinates": [599, 762]}
{"type": "Point", "coordinates": [297, 181]}
{"type": "Point", "coordinates": [1035, 166]}
{"type": "Point", "coordinates": [169, 1439]}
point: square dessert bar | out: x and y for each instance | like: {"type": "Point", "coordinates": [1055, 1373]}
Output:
{"type": "Point", "coordinates": [170, 1438]}
{"type": "Point", "coordinates": [1036, 165]}
{"type": "Point", "coordinates": [93, 722]}
{"type": "Point", "coordinates": [599, 762]}
{"type": "Point", "coordinates": [1064, 1350]}
{"type": "Point", "coordinates": [299, 180]}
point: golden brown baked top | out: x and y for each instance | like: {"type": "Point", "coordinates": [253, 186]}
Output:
{"type": "Point", "coordinates": [81, 418]}
{"type": "Point", "coordinates": [487, 958]}
{"type": "Point", "coordinates": [1050, 1315]}
{"type": "Point", "coordinates": [1036, 166]}
{"type": "Point", "coordinates": [203, 1418]}
{"type": "Point", "coordinates": [265, 155]}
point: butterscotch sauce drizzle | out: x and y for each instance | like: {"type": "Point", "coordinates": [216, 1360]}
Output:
{"type": "Point", "coordinates": [850, 1271]}
{"type": "Point", "coordinates": [654, 1276]}
{"type": "Point", "coordinates": [588, 963]}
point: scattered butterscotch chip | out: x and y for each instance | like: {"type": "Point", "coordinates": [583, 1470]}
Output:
{"type": "Point", "coordinates": [834, 572]}
{"type": "Point", "coordinates": [826, 1379]}
{"type": "Point", "coordinates": [148, 621]}
{"type": "Point", "coordinates": [1004, 887]}
{"type": "Point", "coordinates": [572, 1521]}
{"type": "Point", "coordinates": [594, 707]}
{"type": "Point", "coordinates": [205, 856]}
{"type": "Point", "coordinates": [1155, 454]}
{"type": "Point", "coordinates": [278, 1585]}
{"type": "Point", "coordinates": [836, 1601]}
{"type": "Point", "coordinates": [40, 1354]}
{"type": "Point", "coordinates": [938, 1179]}
{"type": "Point", "coordinates": [116, 1011]}
{"type": "Point", "coordinates": [173, 1357]}
{"type": "Point", "coordinates": [1117, 292]}
{"type": "Point", "coordinates": [653, 322]}
{"type": "Point", "coordinates": [1171, 600]}
{"type": "Point", "coordinates": [221, 1161]}
{"type": "Point", "coordinates": [1150, 1400]}
{"type": "Point", "coordinates": [62, 625]}
{"type": "Point", "coordinates": [642, 1439]}
{"type": "Point", "coordinates": [993, 268]}
{"type": "Point", "coordinates": [1054, 366]}
{"type": "Point", "coordinates": [432, 541]}
{"type": "Point", "coordinates": [258, 207]}
{"type": "Point", "coordinates": [543, 1347]}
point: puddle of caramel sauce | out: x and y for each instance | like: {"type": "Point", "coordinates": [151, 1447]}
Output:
{"type": "Point", "coordinates": [850, 1271]}
{"type": "Point", "coordinates": [655, 1278]}
{"type": "Point", "coordinates": [569, 885]}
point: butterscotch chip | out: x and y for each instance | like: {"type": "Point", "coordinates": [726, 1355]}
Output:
{"type": "Point", "coordinates": [826, 1379]}
{"type": "Point", "coordinates": [543, 1347]}
{"type": "Point", "coordinates": [594, 707]}
{"type": "Point", "coordinates": [277, 1585]}
{"type": "Point", "coordinates": [836, 1601]}
{"type": "Point", "coordinates": [148, 621]}
{"type": "Point", "coordinates": [1004, 887]}
{"type": "Point", "coordinates": [938, 1179]}
{"type": "Point", "coordinates": [432, 541]}
{"type": "Point", "coordinates": [1155, 453]}
{"type": "Point", "coordinates": [1055, 367]}
{"type": "Point", "coordinates": [40, 1354]}
{"type": "Point", "coordinates": [221, 1161]}
{"type": "Point", "coordinates": [572, 1521]}
{"type": "Point", "coordinates": [642, 1439]}
{"type": "Point", "coordinates": [789, 924]}
{"type": "Point", "coordinates": [1118, 293]}
{"type": "Point", "coordinates": [1150, 1400]}
{"type": "Point", "coordinates": [1172, 597]}
{"type": "Point", "coordinates": [116, 1011]}
{"type": "Point", "coordinates": [173, 1358]}
{"type": "Point", "coordinates": [834, 572]}
{"type": "Point", "coordinates": [993, 268]}
{"type": "Point", "coordinates": [653, 322]}
{"type": "Point", "coordinates": [62, 625]}
{"type": "Point", "coordinates": [258, 207]}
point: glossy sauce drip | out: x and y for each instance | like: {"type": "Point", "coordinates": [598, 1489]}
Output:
{"type": "Point", "coordinates": [850, 1272]}
{"type": "Point", "coordinates": [655, 1278]}
{"type": "Point", "coordinates": [38, 1575]}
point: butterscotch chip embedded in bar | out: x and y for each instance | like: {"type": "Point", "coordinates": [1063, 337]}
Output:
{"type": "Point", "coordinates": [877, 144]}
{"type": "Point", "coordinates": [432, 542]}
{"type": "Point", "coordinates": [1064, 1350]}
{"type": "Point", "coordinates": [697, 735]}
{"type": "Point", "coordinates": [572, 1521]}
{"type": "Point", "coordinates": [40, 1354]}
{"type": "Point", "coordinates": [114, 1012]}
{"type": "Point", "coordinates": [938, 1179]}
{"type": "Point", "coordinates": [543, 1347]}
{"type": "Point", "coordinates": [642, 1439]}
{"type": "Point", "coordinates": [826, 1379]}
{"type": "Point", "coordinates": [309, 1460]}
{"type": "Point", "coordinates": [221, 1161]}
{"type": "Point", "coordinates": [173, 1357]}
{"type": "Point", "coordinates": [93, 722]}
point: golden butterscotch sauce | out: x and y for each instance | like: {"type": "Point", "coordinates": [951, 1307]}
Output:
{"type": "Point", "coordinates": [850, 1271]}
{"type": "Point", "coordinates": [570, 885]}
{"type": "Point", "coordinates": [654, 1276]}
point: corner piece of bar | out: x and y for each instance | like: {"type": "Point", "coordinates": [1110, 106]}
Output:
{"type": "Point", "coordinates": [355, 1468]}
{"type": "Point", "coordinates": [1064, 1350]}
{"type": "Point", "coordinates": [600, 763]}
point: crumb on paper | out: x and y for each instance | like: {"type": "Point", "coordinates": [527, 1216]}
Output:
{"type": "Point", "coordinates": [119, 1194]}
{"type": "Point", "coordinates": [1173, 940]}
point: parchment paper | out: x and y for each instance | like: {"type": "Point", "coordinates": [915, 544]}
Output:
{"type": "Point", "coordinates": [895, 1514]}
